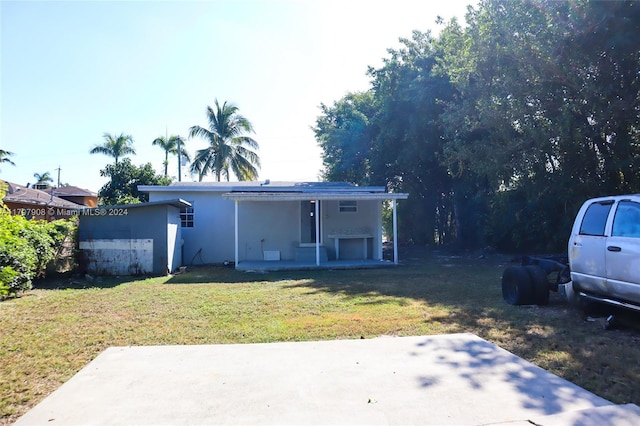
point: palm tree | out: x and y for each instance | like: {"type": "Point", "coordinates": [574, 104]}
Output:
{"type": "Point", "coordinates": [115, 147]}
{"type": "Point", "coordinates": [170, 146]}
{"type": "Point", "coordinates": [43, 178]}
{"type": "Point", "coordinates": [4, 157]}
{"type": "Point", "coordinates": [228, 147]}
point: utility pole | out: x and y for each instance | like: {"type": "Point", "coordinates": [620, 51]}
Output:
{"type": "Point", "coordinates": [58, 169]}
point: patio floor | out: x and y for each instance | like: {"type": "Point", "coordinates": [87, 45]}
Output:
{"type": "Point", "coordinates": [285, 265]}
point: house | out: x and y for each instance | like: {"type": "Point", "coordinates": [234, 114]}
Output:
{"type": "Point", "coordinates": [36, 204]}
{"type": "Point", "coordinates": [131, 239]}
{"type": "Point", "coordinates": [80, 196]}
{"type": "Point", "coordinates": [275, 225]}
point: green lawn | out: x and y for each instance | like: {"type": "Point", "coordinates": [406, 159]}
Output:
{"type": "Point", "coordinates": [50, 333]}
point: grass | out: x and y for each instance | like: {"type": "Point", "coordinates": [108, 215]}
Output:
{"type": "Point", "coordinates": [50, 333]}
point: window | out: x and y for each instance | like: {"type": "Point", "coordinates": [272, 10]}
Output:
{"type": "Point", "coordinates": [595, 218]}
{"type": "Point", "coordinates": [626, 222]}
{"type": "Point", "coordinates": [186, 217]}
{"type": "Point", "coordinates": [348, 206]}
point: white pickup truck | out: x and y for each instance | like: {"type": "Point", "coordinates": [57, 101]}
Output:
{"type": "Point", "coordinates": [603, 263]}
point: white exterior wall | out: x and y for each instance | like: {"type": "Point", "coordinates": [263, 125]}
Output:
{"type": "Point", "coordinates": [275, 225]}
{"type": "Point", "coordinates": [266, 225]}
{"type": "Point", "coordinates": [269, 226]}
{"type": "Point", "coordinates": [211, 240]}
{"type": "Point", "coordinates": [367, 220]}
{"type": "Point", "coordinates": [118, 256]}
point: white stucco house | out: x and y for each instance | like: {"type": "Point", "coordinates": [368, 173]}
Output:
{"type": "Point", "coordinates": [280, 225]}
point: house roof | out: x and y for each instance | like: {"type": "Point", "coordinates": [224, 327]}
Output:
{"type": "Point", "coordinates": [71, 191]}
{"type": "Point", "coordinates": [280, 190]}
{"type": "Point", "coordinates": [310, 195]}
{"type": "Point", "coordinates": [178, 202]}
{"type": "Point", "coordinates": [21, 194]}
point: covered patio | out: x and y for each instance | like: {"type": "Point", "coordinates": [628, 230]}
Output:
{"type": "Point", "coordinates": [324, 248]}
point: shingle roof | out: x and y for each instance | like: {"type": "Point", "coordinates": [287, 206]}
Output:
{"type": "Point", "coordinates": [71, 191]}
{"type": "Point", "coordinates": [21, 194]}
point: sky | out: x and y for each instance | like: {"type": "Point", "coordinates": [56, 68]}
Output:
{"type": "Point", "coordinates": [71, 71]}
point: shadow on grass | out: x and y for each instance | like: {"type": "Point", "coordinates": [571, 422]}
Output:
{"type": "Point", "coordinates": [77, 282]}
{"type": "Point", "coordinates": [228, 275]}
{"type": "Point", "coordinates": [556, 337]}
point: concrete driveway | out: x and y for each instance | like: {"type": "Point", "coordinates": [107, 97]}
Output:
{"type": "Point", "coordinates": [424, 380]}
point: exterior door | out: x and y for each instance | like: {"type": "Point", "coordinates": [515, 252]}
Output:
{"type": "Point", "coordinates": [308, 222]}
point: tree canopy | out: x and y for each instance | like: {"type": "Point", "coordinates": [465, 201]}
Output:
{"type": "Point", "coordinates": [499, 129]}
{"type": "Point", "coordinates": [115, 146]}
{"type": "Point", "coordinates": [4, 157]}
{"type": "Point", "coordinates": [171, 146]}
{"type": "Point", "coordinates": [43, 178]}
{"type": "Point", "coordinates": [124, 179]}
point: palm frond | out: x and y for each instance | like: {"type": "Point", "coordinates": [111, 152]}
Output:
{"type": "Point", "coordinates": [229, 150]}
{"type": "Point", "coordinates": [115, 147]}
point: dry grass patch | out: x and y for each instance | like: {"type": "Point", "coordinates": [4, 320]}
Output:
{"type": "Point", "coordinates": [52, 332]}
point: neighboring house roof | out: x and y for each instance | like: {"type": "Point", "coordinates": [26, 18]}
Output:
{"type": "Point", "coordinates": [253, 191]}
{"type": "Point", "coordinates": [21, 194]}
{"type": "Point", "coordinates": [71, 191]}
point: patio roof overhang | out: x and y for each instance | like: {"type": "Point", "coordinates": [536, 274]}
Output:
{"type": "Point", "coordinates": [321, 196]}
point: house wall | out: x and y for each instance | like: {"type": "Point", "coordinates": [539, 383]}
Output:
{"type": "Point", "coordinates": [271, 225]}
{"type": "Point", "coordinates": [367, 220]}
{"type": "Point", "coordinates": [88, 201]}
{"type": "Point", "coordinates": [212, 238]}
{"type": "Point", "coordinates": [140, 240]}
{"type": "Point", "coordinates": [266, 225]}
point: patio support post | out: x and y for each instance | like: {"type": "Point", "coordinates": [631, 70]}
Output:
{"type": "Point", "coordinates": [236, 233]}
{"type": "Point", "coordinates": [395, 233]}
{"type": "Point", "coordinates": [317, 218]}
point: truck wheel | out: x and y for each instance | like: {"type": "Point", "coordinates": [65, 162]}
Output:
{"type": "Point", "coordinates": [540, 284]}
{"type": "Point", "coordinates": [517, 288]}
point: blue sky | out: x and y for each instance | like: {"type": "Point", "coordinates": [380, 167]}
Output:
{"type": "Point", "coordinates": [71, 71]}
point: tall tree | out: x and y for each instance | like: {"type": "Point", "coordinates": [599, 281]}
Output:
{"type": "Point", "coordinates": [229, 148]}
{"type": "Point", "coordinates": [115, 146]}
{"type": "Point", "coordinates": [345, 133]}
{"type": "Point", "coordinates": [4, 157]}
{"type": "Point", "coordinates": [170, 146]}
{"type": "Point", "coordinates": [547, 112]}
{"type": "Point", "coordinates": [501, 128]}
{"type": "Point", "coordinates": [43, 178]}
{"type": "Point", "coordinates": [410, 99]}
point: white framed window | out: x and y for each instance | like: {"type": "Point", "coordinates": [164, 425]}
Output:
{"type": "Point", "coordinates": [348, 206]}
{"type": "Point", "coordinates": [186, 217]}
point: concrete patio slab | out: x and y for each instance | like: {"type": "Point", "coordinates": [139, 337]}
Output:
{"type": "Point", "coordinates": [438, 380]}
{"type": "Point", "coordinates": [290, 265]}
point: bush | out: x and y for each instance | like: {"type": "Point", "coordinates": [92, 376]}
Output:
{"type": "Point", "coordinates": [26, 247]}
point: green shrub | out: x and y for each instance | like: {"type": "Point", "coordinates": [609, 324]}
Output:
{"type": "Point", "coordinates": [26, 247]}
